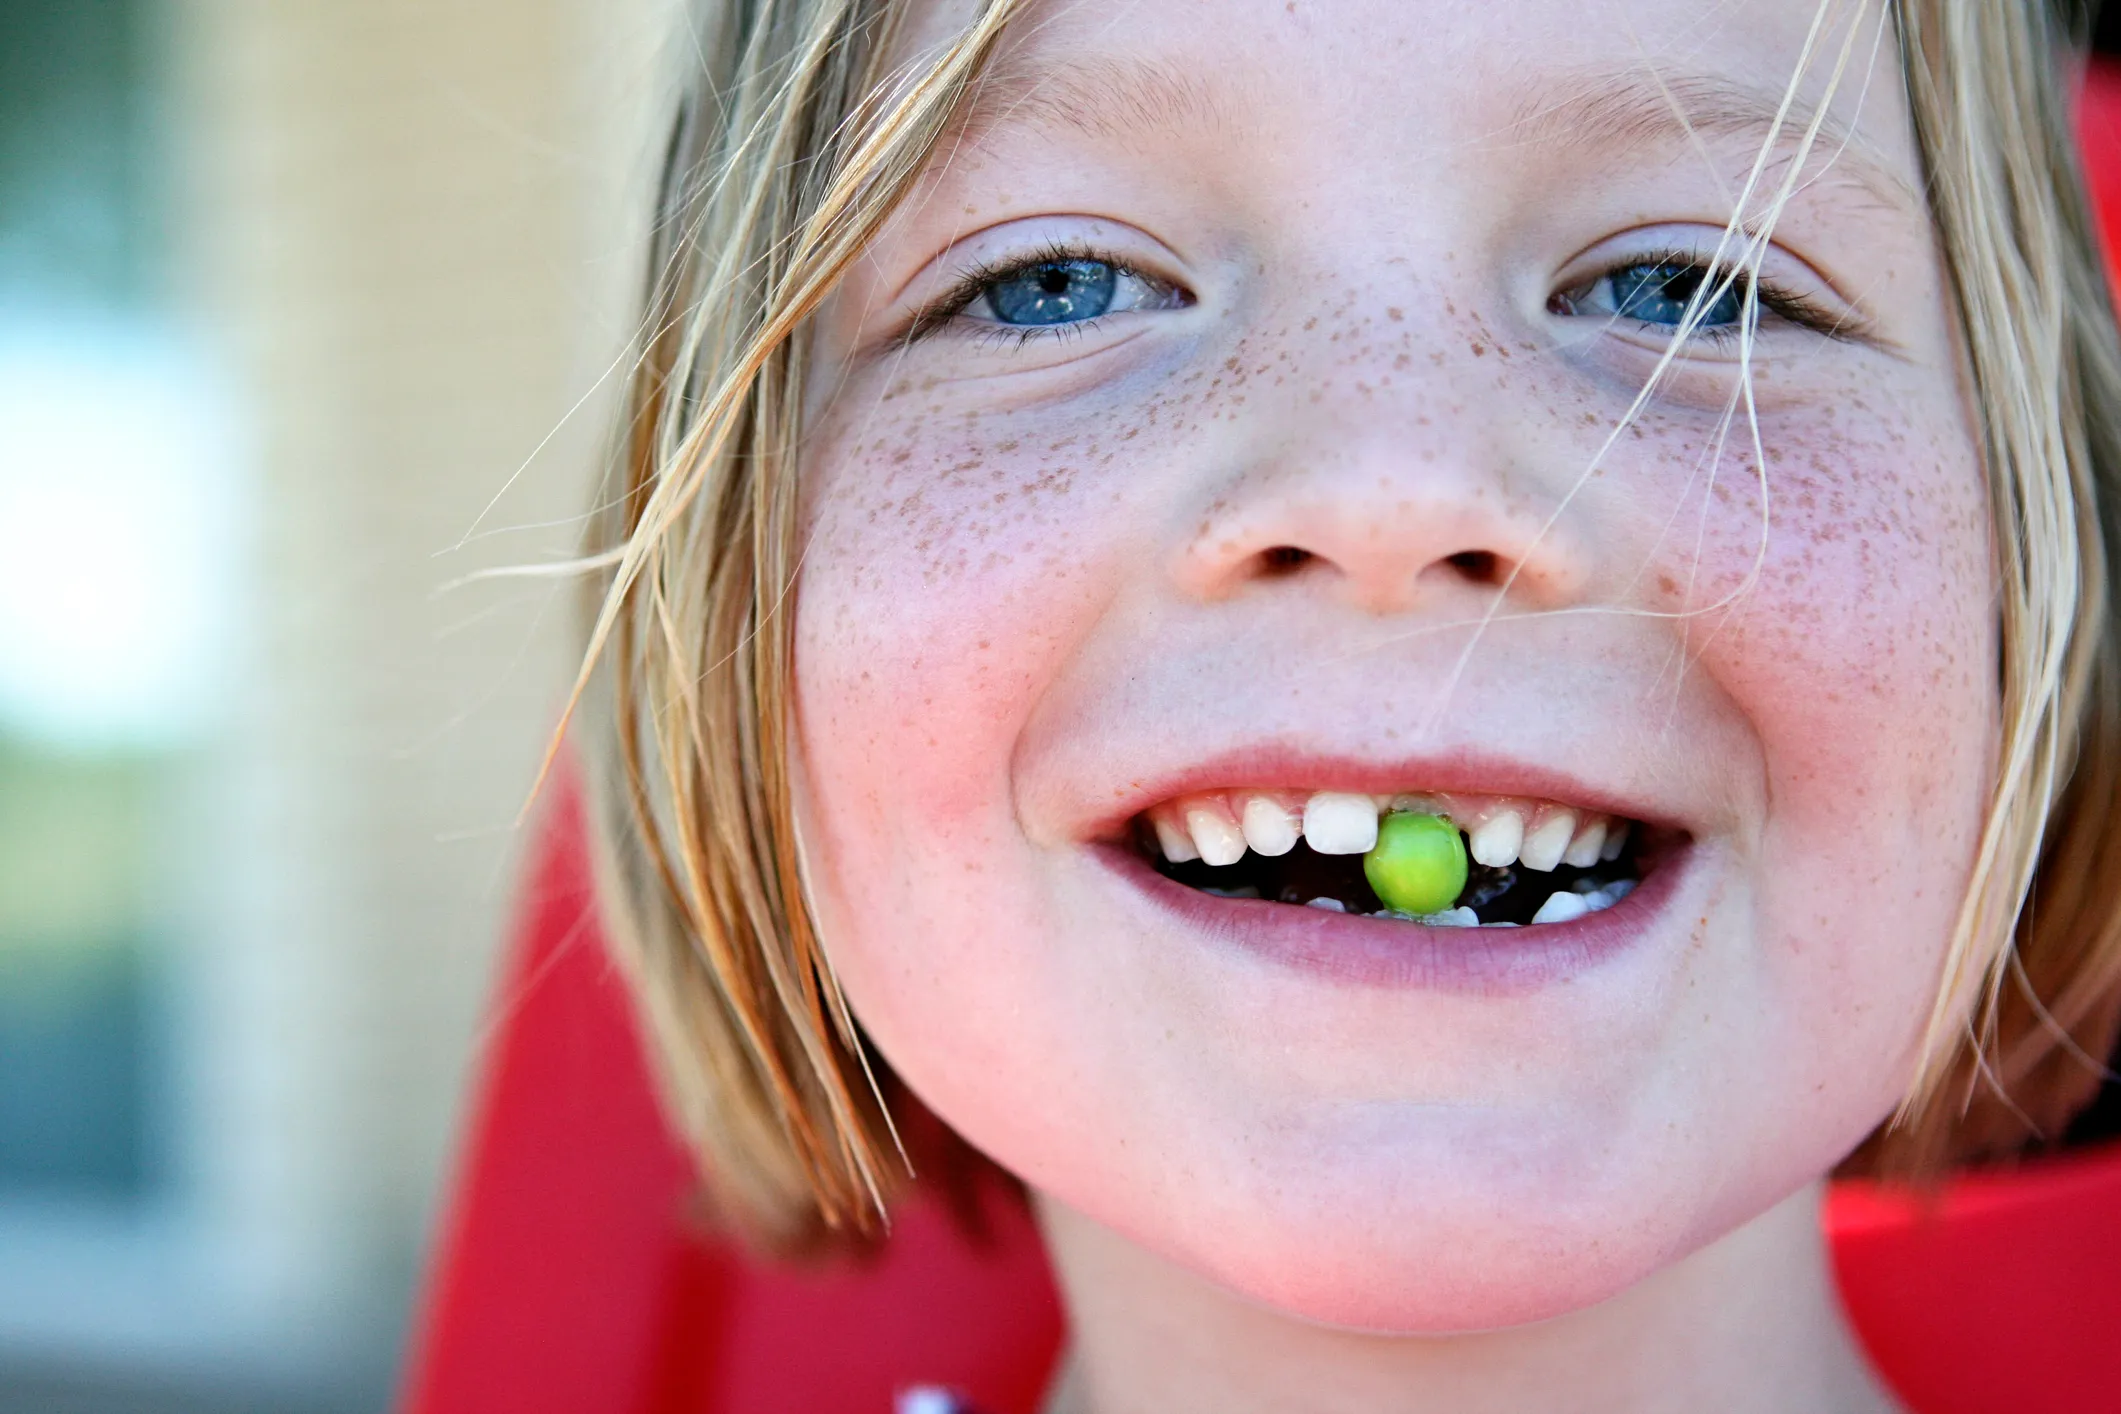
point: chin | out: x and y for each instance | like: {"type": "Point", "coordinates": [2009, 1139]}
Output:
{"type": "Point", "coordinates": [1437, 1278]}
{"type": "Point", "coordinates": [1406, 1242]}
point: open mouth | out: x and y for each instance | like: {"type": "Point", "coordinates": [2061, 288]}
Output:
{"type": "Point", "coordinates": [1441, 859]}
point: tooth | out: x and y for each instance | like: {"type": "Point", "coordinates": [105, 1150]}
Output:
{"type": "Point", "coordinates": [1171, 834]}
{"type": "Point", "coordinates": [1496, 841]}
{"type": "Point", "coordinates": [1338, 822]}
{"type": "Point", "coordinates": [1619, 889]}
{"type": "Point", "coordinates": [1582, 852]}
{"type": "Point", "coordinates": [1330, 905]}
{"type": "Point", "coordinates": [1269, 827]}
{"type": "Point", "coordinates": [1545, 841]}
{"type": "Point", "coordinates": [1215, 834]}
{"type": "Point", "coordinates": [1453, 918]}
{"type": "Point", "coordinates": [1560, 907]}
{"type": "Point", "coordinates": [1616, 840]}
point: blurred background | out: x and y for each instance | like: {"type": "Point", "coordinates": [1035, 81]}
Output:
{"type": "Point", "coordinates": [308, 311]}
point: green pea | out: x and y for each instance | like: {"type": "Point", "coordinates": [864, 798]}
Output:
{"type": "Point", "coordinates": [1418, 864]}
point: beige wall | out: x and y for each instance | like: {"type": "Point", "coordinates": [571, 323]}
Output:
{"type": "Point", "coordinates": [416, 224]}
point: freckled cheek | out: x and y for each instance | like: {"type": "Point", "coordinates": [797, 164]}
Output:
{"type": "Point", "coordinates": [1864, 650]}
{"type": "Point", "coordinates": [939, 592]}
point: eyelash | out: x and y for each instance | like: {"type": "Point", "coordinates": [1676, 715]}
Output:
{"type": "Point", "coordinates": [1778, 300]}
{"type": "Point", "coordinates": [970, 286]}
{"type": "Point", "coordinates": [973, 283]}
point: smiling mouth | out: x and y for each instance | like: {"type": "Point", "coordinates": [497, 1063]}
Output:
{"type": "Point", "coordinates": [1444, 859]}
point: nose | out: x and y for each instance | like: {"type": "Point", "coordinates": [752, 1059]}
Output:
{"type": "Point", "coordinates": [1390, 526]}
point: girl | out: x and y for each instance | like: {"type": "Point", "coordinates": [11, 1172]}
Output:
{"type": "Point", "coordinates": [1418, 659]}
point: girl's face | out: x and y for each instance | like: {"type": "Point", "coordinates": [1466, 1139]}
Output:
{"type": "Point", "coordinates": [1231, 421]}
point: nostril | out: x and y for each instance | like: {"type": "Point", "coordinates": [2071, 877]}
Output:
{"type": "Point", "coordinates": [1480, 566]}
{"type": "Point", "coordinates": [1281, 559]}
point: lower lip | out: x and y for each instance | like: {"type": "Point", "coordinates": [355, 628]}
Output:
{"type": "Point", "coordinates": [1391, 953]}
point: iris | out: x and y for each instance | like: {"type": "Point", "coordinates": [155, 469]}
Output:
{"type": "Point", "coordinates": [1660, 293]}
{"type": "Point", "coordinates": [1054, 292]}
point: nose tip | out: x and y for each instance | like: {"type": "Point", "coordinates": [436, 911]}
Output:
{"type": "Point", "coordinates": [1385, 563]}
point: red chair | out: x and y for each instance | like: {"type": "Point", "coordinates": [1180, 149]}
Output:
{"type": "Point", "coordinates": [570, 1279]}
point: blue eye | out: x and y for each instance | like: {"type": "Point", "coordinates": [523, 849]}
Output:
{"type": "Point", "coordinates": [1658, 292]}
{"type": "Point", "coordinates": [1052, 292]}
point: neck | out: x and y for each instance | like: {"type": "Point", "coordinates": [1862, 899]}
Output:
{"type": "Point", "coordinates": [1748, 1325]}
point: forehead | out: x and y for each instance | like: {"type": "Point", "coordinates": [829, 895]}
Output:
{"type": "Point", "coordinates": [1353, 81]}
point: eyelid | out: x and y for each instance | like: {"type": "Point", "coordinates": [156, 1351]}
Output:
{"type": "Point", "coordinates": [1837, 315]}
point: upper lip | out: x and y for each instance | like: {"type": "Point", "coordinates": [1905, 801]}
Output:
{"type": "Point", "coordinates": [1273, 766]}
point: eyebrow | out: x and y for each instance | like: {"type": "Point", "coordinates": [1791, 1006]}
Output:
{"type": "Point", "coordinates": [1109, 99]}
{"type": "Point", "coordinates": [1613, 109]}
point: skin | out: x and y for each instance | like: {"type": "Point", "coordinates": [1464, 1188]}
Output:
{"type": "Point", "coordinates": [1035, 592]}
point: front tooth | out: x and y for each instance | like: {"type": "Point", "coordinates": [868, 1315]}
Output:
{"type": "Point", "coordinates": [1269, 827]}
{"type": "Point", "coordinates": [1338, 822]}
{"type": "Point", "coordinates": [1214, 833]}
{"type": "Point", "coordinates": [1560, 907]}
{"type": "Point", "coordinates": [1171, 835]}
{"type": "Point", "coordinates": [1616, 840]}
{"type": "Point", "coordinates": [1582, 852]}
{"type": "Point", "coordinates": [1544, 843]}
{"type": "Point", "coordinates": [1495, 842]}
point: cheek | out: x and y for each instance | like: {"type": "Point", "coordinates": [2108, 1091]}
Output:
{"type": "Point", "coordinates": [1859, 639]}
{"type": "Point", "coordinates": [950, 575]}
{"type": "Point", "coordinates": [1859, 632]}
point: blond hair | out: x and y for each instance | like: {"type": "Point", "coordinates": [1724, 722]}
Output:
{"type": "Point", "coordinates": [796, 142]}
